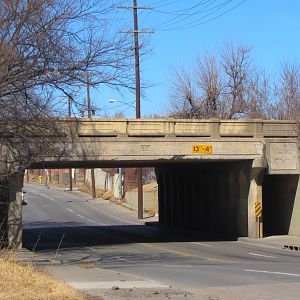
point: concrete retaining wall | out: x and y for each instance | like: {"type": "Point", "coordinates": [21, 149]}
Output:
{"type": "Point", "coordinates": [150, 200]}
{"type": "Point", "coordinates": [106, 181]}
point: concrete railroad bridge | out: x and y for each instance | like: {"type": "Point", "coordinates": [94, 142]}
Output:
{"type": "Point", "coordinates": [210, 173]}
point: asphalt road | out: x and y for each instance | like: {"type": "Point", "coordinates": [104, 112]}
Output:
{"type": "Point", "coordinates": [71, 228]}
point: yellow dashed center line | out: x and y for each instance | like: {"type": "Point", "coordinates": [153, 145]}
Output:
{"type": "Point", "coordinates": [185, 254]}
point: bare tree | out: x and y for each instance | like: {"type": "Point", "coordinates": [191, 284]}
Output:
{"type": "Point", "coordinates": [236, 65]}
{"type": "Point", "coordinates": [45, 47]}
{"type": "Point", "coordinates": [215, 88]}
{"type": "Point", "coordinates": [229, 86]}
{"type": "Point", "coordinates": [54, 43]}
{"type": "Point", "coordinates": [184, 102]}
{"type": "Point", "coordinates": [288, 93]}
{"type": "Point", "coordinates": [209, 82]}
{"type": "Point", "coordinates": [258, 94]}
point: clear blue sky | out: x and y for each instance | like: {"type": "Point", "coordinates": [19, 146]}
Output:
{"type": "Point", "coordinates": [270, 27]}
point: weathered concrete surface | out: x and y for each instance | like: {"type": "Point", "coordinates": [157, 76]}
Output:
{"type": "Point", "coordinates": [14, 226]}
{"type": "Point", "coordinates": [258, 169]}
{"type": "Point", "coordinates": [106, 181]}
{"type": "Point", "coordinates": [111, 142]}
{"type": "Point", "coordinates": [150, 198]}
{"type": "Point", "coordinates": [295, 218]}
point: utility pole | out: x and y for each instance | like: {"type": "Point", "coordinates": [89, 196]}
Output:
{"type": "Point", "coordinates": [89, 116]}
{"type": "Point", "coordinates": [138, 96]}
{"type": "Point", "coordinates": [138, 104]}
{"type": "Point", "coordinates": [137, 62]}
{"type": "Point", "coordinates": [69, 115]}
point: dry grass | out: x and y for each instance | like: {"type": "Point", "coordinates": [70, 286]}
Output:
{"type": "Point", "coordinates": [18, 281]}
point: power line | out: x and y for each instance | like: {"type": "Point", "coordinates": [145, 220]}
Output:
{"type": "Point", "coordinates": [194, 15]}
{"type": "Point", "coordinates": [185, 15]}
{"type": "Point", "coordinates": [196, 23]}
{"type": "Point", "coordinates": [156, 4]}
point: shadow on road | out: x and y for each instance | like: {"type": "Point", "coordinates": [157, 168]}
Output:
{"type": "Point", "coordinates": [48, 235]}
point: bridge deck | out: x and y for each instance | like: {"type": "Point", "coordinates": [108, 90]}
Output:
{"type": "Point", "coordinates": [120, 142]}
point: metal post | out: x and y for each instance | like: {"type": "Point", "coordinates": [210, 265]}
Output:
{"type": "Point", "coordinates": [140, 193]}
{"type": "Point", "coordinates": [138, 103]}
{"type": "Point", "coordinates": [70, 180]}
{"type": "Point", "coordinates": [69, 106]}
{"type": "Point", "coordinates": [70, 169]}
{"type": "Point", "coordinates": [89, 116]}
{"type": "Point", "coordinates": [93, 183]}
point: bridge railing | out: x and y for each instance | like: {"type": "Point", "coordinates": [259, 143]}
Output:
{"type": "Point", "coordinates": [213, 128]}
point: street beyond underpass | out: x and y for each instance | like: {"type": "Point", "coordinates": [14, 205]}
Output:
{"type": "Point", "coordinates": [101, 248]}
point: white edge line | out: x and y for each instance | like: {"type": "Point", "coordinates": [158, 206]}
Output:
{"type": "Point", "coordinates": [270, 272]}
{"type": "Point", "coordinates": [119, 218]}
{"type": "Point", "coordinates": [261, 255]}
{"type": "Point", "coordinates": [82, 217]}
{"type": "Point", "coordinates": [90, 248]}
{"type": "Point", "coordinates": [45, 196]}
{"type": "Point", "coordinates": [265, 246]}
{"type": "Point", "coordinates": [201, 244]}
{"type": "Point", "coordinates": [178, 266]}
{"type": "Point", "coordinates": [124, 259]}
{"type": "Point", "coordinates": [101, 224]}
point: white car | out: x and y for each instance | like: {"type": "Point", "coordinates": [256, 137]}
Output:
{"type": "Point", "coordinates": [24, 202]}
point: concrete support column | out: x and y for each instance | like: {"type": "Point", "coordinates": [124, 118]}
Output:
{"type": "Point", "coordinates": [176, 186]}
{"type": "Point", "coordinates": [295, 219]}
{"type": "Point", "coordinates": [14, 222]}
{"type": "Point", "coordinates": [171, 198]}
{"type": "Point", "coordinates": [234, 200]}
{"type": "Point", "coordinates": [255, 195]}
{"type": "Point", "coordinates": [162, 194]}
{"type": "Point", "coordinates": [242, 208]}
{"type": "Point", "coordinates": [181, 198]}
{"type": "Point", "coordinates": [118, 185]}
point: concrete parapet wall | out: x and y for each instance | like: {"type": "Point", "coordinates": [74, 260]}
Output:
{"type": "Point", "coordinates": [183, 127]}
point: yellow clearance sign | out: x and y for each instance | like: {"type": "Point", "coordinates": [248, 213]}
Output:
{"type": "Point", "coordinates": [258, 209]}
{"type": "Point", "coordinates": [202, 149]}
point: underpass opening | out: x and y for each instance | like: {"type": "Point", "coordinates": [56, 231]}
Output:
{"type": "Point", "coordinates": [210, 198]}
{"type": "Point", "coordinates": [207, 200]}
{"type": "Point", "coordinates": [279, 192]}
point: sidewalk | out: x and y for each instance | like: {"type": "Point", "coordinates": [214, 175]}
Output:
{"type": "Point", "coordinates": [103, 282]}
{"type": "Point", "coordinates": [278, 241]}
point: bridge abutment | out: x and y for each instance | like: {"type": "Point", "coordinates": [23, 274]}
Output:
{"type": "Point", "coordinates": [218, 199]}
{"type": "Point", "coordinates": [255, 196]}
{"type": "Point", "coordinates": [11, 211]}
{"type": "Point", "coordinates": [294, 228]}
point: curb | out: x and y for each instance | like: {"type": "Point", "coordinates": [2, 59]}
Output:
{"type": "Point", "coordinates": [262, 242]}
{"type": "Point", "coordinates": [291, 247]}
